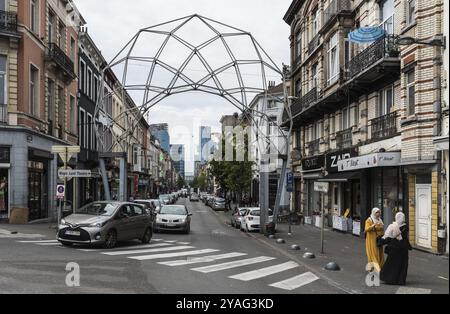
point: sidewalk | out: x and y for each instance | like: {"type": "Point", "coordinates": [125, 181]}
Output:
{"type": "Point", "coordinates": [30, 231]}
{"type": "Point", "coordinates": [426, 271]}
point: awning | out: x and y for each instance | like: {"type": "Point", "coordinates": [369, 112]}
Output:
{"type": "Point", "coordinates": [340, 177]}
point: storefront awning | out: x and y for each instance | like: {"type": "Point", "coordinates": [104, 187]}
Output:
{"type": "Point", "coordinates": [340, 177]}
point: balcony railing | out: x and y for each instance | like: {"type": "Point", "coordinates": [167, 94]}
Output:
{"type": "Point", "coordinates": [3, 113]}
{"type": "Point", "coordinates": [380, 49]}
{"type": "Point", "coordinates": [314, 43]}
{"type": "Point", "coordinates": [314, 147]}
{"type": "Point", "coordinates": [8, 21]}
{"type": "Point", "coordinates": [336, 7]}
{"type": "Point", "coordinates": [384, 126]}
{"type": "Point", "coordinates": [344, 139]}
{"type": "Point", "coordinates": [309, 98]}
{"type": "Point", "coordinates": [61, 59]}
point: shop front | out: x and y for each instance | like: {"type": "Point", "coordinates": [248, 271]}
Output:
{"type": "Point", "coordinates": [4, 182]}
{"type": "Point", "coordinates": [312, 202]}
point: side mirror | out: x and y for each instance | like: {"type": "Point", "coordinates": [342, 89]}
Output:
{"type": "Point", "coordinates": [189, 214]}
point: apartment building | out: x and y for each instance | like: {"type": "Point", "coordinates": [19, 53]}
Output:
{"type": "Point", "coordinates": [365, 115]}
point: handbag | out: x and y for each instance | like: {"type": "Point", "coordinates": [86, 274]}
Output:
{"type": "Point", "coordinates": [380, 241]}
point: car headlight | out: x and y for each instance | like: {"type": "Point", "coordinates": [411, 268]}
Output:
{"type": "Point", "coordinates": [183, 220]}
{"type": "Point", "coordinates": [97, 224]}
{"type": "Point", "coordinates": [63, 222]}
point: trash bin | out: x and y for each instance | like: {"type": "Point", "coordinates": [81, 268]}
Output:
{"type": "Point", "coordinates": [270, 228]}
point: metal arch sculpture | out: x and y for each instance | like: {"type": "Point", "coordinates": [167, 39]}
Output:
{"type": "Point", "coordinates": [150, 93]}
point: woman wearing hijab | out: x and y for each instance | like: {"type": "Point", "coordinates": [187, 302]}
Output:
{"type": "Point", "coordinates": [373, 229]}
{"type": "Point", "coordinates": [395, 270]}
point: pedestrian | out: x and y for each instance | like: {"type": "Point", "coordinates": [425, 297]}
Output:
{"type": "Point", "coordinates": [374, 230]}
{"type": "Point", "coordinates": [2, 194]}
{"type": "Point", "coordinates": [395, 269]}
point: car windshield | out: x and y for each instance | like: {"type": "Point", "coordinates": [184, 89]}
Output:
{"type": "Point", "coordinates": [173, 210]}
{"type": "Point", "coordinates": [255, 213]}
{"type": "Point", "coordinates": [242, 211]}
{"type": "Point", "coordinates": [164, 197]}
{"type": "Point", "coordinates": [220, 200]}
{"type": "Point", "coordinates": [97, 209]}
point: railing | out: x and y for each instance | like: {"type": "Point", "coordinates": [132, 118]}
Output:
{"type": "Point", "coordinates": [8, 21]}
{"type": "Point", "coordinates": [60, 57]}
{"type": "Point", "coordinates": [344, 139]}
{"type": "Point", "coordinates": [383, 47]}
{"type": "Point", "coordinates": [314, 147]}
{"type": "Point", "coordinates": [336, 7]}
{"type": "Point", "coordinates": [314, 43]}
{"type": "Point", "coordinates": [3, 113]}
{"type": "Point", "coordinates": [309, 98]}
{"type": "Point", "coordinates": [384, 126]}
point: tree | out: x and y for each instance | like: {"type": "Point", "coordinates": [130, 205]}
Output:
{"type": "Point", "coordinates": [180, 182]}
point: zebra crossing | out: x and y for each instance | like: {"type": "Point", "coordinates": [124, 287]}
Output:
{"type": "Point", "coordinates": [173, 253]}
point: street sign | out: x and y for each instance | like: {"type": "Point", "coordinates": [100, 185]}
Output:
{"type": "Point", "coordinates": [66, 152]}
{"type": "Point", "coordinates": [290, 182]}
{"type": "Point", "coordinates": [321, 187]}
{"type": "Point", "coordinates": [60, 191]}
{"type": "Point", "coordinates": [77, 173]}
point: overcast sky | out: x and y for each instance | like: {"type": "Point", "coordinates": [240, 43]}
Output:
{"type": "Point", "coordinates": [113, 23]}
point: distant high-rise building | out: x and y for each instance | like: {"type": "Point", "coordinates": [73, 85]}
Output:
{"type": "Point", "coordinates": [205, 139]}
{"type": "Point", "coordinates": [177, 154]}
{"type": "Point", "coordinates": [161, 132]}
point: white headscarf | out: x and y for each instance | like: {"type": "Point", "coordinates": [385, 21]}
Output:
{"type": "Point", "coordinates": [393, 231]}
{"type": "Point", "coordinates": [374, 218]}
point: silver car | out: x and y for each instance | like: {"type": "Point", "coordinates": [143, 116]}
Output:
{"type": "Point", "coordinates": [218, 204]}
{"type": "Point", "coordinates": [165, 199]}
{"type": "Point", "coordinates": [173, 218]}
{"type": "Point", "coordinates": [238, 217]}
{"type": "Point", "coordinates": [105, 223]}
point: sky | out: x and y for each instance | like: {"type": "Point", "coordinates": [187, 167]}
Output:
{"type": "Point", "coordinates": [113, 23]}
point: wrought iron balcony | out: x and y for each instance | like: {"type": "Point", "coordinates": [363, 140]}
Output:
{"type": "Point", "coordinates": [336, 7]}
{"type": "Point", "coordinates": [382, 48]}
{"type": "Point", "coordinates": [58, 56]}
{"type": "Point", "coordinates": [384, 126]}
{"type": "Point", "coordinates": [314, 43]}
{"type": "Point", "coordinates": [314, 147]}
{"type": "Point", "coordinates": [8, 22]}
{"type": "Point", "coordinates": [309, 98]}
{"type": "Point", "coordinates": [344, 139]}
{"type": "Point", "coordinates": [3, 113]}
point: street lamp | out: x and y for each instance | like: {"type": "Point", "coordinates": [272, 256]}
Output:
{"type": "Point", "coordinates": [437, 41]}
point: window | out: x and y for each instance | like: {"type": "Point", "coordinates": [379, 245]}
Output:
{"type": "Point", "coordinates": [51, 27]}
{"type": "Point", "coordinates": [298, 138]}
{"type": "Point", "coordinates": [95, 88]}
{"type": "Point", "coordinates": [332, 125]}
{"type": "Point", "coordinates": [298, 88]}
{"type": "Point", "coordinates": [89, 131]}
{"type": "Point", "coordinates": [272, 122]}
{"type": "Point", "coordinates": [411, 92]}
{"type": "Point", "coordinates": [61, 35]}
{"type": "Point", "coordinates": [61, 107]}
{"type": "Point", "coordinates": [314, 76]}
{"type": "Point", "coordinates": [89, 83]}
{"type": "Point", "coordinates": [356, 115]}
{"type": "Point", "coordinates": [3, 61]}
{"type": "Point", "coordinates": [34, 16]}
{"type": "Point", "coordinates": [34, 91]}
{"type": "Point", "coordinates": [298, 45]}
{"type": "Point", "coordinates": [345, 119]}
{"type": "Point", "coordinates": [83, 76]}
{"type": "Point", "coordinates": [348, 52]}
{"type": "Point", "coordinates": [81, 129]}
{"type": "Point", "coordinates": [51, 101]}
{"type": "Point", "coordinates": [410, 12]}
{"type": "Point", "coordinates": [333, 59]}
{"type": "Point", "coordinates": [387, 16]}
{"type": "Point", "coordinates": [386, 101]}
{"type": "Point", "coordinates": [72, 114]}
{"type": "Point", "coordinates": [314, 24]}
{"type": "Point", "coordinates": [72, 49]}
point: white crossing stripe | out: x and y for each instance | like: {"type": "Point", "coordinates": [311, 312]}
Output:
{"type": "Point", "coordinates": [411, 290]}
{"type": "Point", "coordinates": [130, 247]}
{"type": "Point", "coordinates": [263, 272]}
{"type": "Point", "coordinates": [49, 244]}
{"type": "Point", "coordinates": [168, 255]}
{"type": "Point", "coordinates": [296, 282]}
{"type": "Point", "coordinates": [204, 259]}
{"type": "Point", "coordinates": [39, 241]}
{"type": "Point", "coordinates": [170, 241]}
{"type": "Point", "coordinates": [184, 243]}
{"type": "Point", "coordinates": [229, 265]}
{"type": "Point", "coordinates": [157, 240]}
{"type": "Point", "coordinates": [164, 249]}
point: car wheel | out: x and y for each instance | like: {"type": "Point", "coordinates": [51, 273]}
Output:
{"type": "Point", "coordinates": [111, 239]}
{"type": "Point", "coordinates": [147, 236]}
{"type": "Point", "coordinates": [66, 243]}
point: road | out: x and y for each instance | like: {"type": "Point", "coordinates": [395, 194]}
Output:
{"type": "Point", "coordinates": [171, 263]}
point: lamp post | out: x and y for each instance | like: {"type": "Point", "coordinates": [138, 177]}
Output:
{"type": "Point", "coordinates": [291, 166]}
{"type": "Point", "coordinates": [437, 41]}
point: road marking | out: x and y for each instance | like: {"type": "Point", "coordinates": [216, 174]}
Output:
{"type": "Point", "coordinates": [48, 244]}
{"type": "Point", "coordinates": [131, 247]}
{"type": "Point", "coordinates": [171, 241]}
{"type": "Point", "coordinates": [184, 243]}
{"type": "Point", "coordinates": [172, 248]}
{"type": "Point", "coordinates": [440, 277]}
{"type": "Point", "coordinates": [263, 272]}
{"type": "Point", "coordinates": [204, 259]}
{"type": "Point", "coordinates": [39, 241]}
{"type": "Point", "coordinates": [295, 282]}
{"type": "Point", "coordinates": [244, 262]}
{"type": "Point", "coordinates": [157, 240]}
{"type": "Point", "coordinates": [168, 255]}
{"type": "Point", "coordinates": [408, 290]}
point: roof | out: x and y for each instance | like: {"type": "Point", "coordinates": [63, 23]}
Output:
{"type": "Point", "coordinates": [292, 11]}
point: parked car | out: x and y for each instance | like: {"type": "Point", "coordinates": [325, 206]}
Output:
{"type": "Point", "coordinates": [194, 197]}
{"type": "Point", "coordinates": [238, 217]}
{"type": "Point", "coordinates": [105, 223]}
{"type": "Point", "coordinates": [173, 218]}
{"type": "Point", "coordinates": [251, 220]}
{"type": "Point", "coordinates": [218, 203]}
{"type": "Point", "coordinates": [151, 205]}
{"type": "Point", "coordinates": [209, 200]}
{"type": "Point", "coordinates": [165, 199]}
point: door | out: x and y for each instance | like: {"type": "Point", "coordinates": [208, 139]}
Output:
{"type": "Point", "coordinates": [423, 214]}
{"type": "Point", "coordinates": [123, 223]}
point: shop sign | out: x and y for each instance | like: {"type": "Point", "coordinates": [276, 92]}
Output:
{"type": "Point", "coordinates": [321, 187]}
{"type": "Point", "coordinates": [370, 161]}
{"type": "Point", "coordinates": [334, 158]}
{"type": "Point", "coordinates": [290, 182]}
{"type": "Point", "coordinates": [313, 163]}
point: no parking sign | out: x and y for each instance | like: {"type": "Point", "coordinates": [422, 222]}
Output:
{"type": "Point", "coordinates": [60, 191]}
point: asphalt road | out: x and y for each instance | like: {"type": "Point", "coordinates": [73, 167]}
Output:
{"type": "Point", "coordinates": [236, 264]}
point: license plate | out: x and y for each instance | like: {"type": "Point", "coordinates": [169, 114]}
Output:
{"type": "Point", "coordinates": [170, 225]}
{"type": "Point", "coordinates": [73, 233]}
